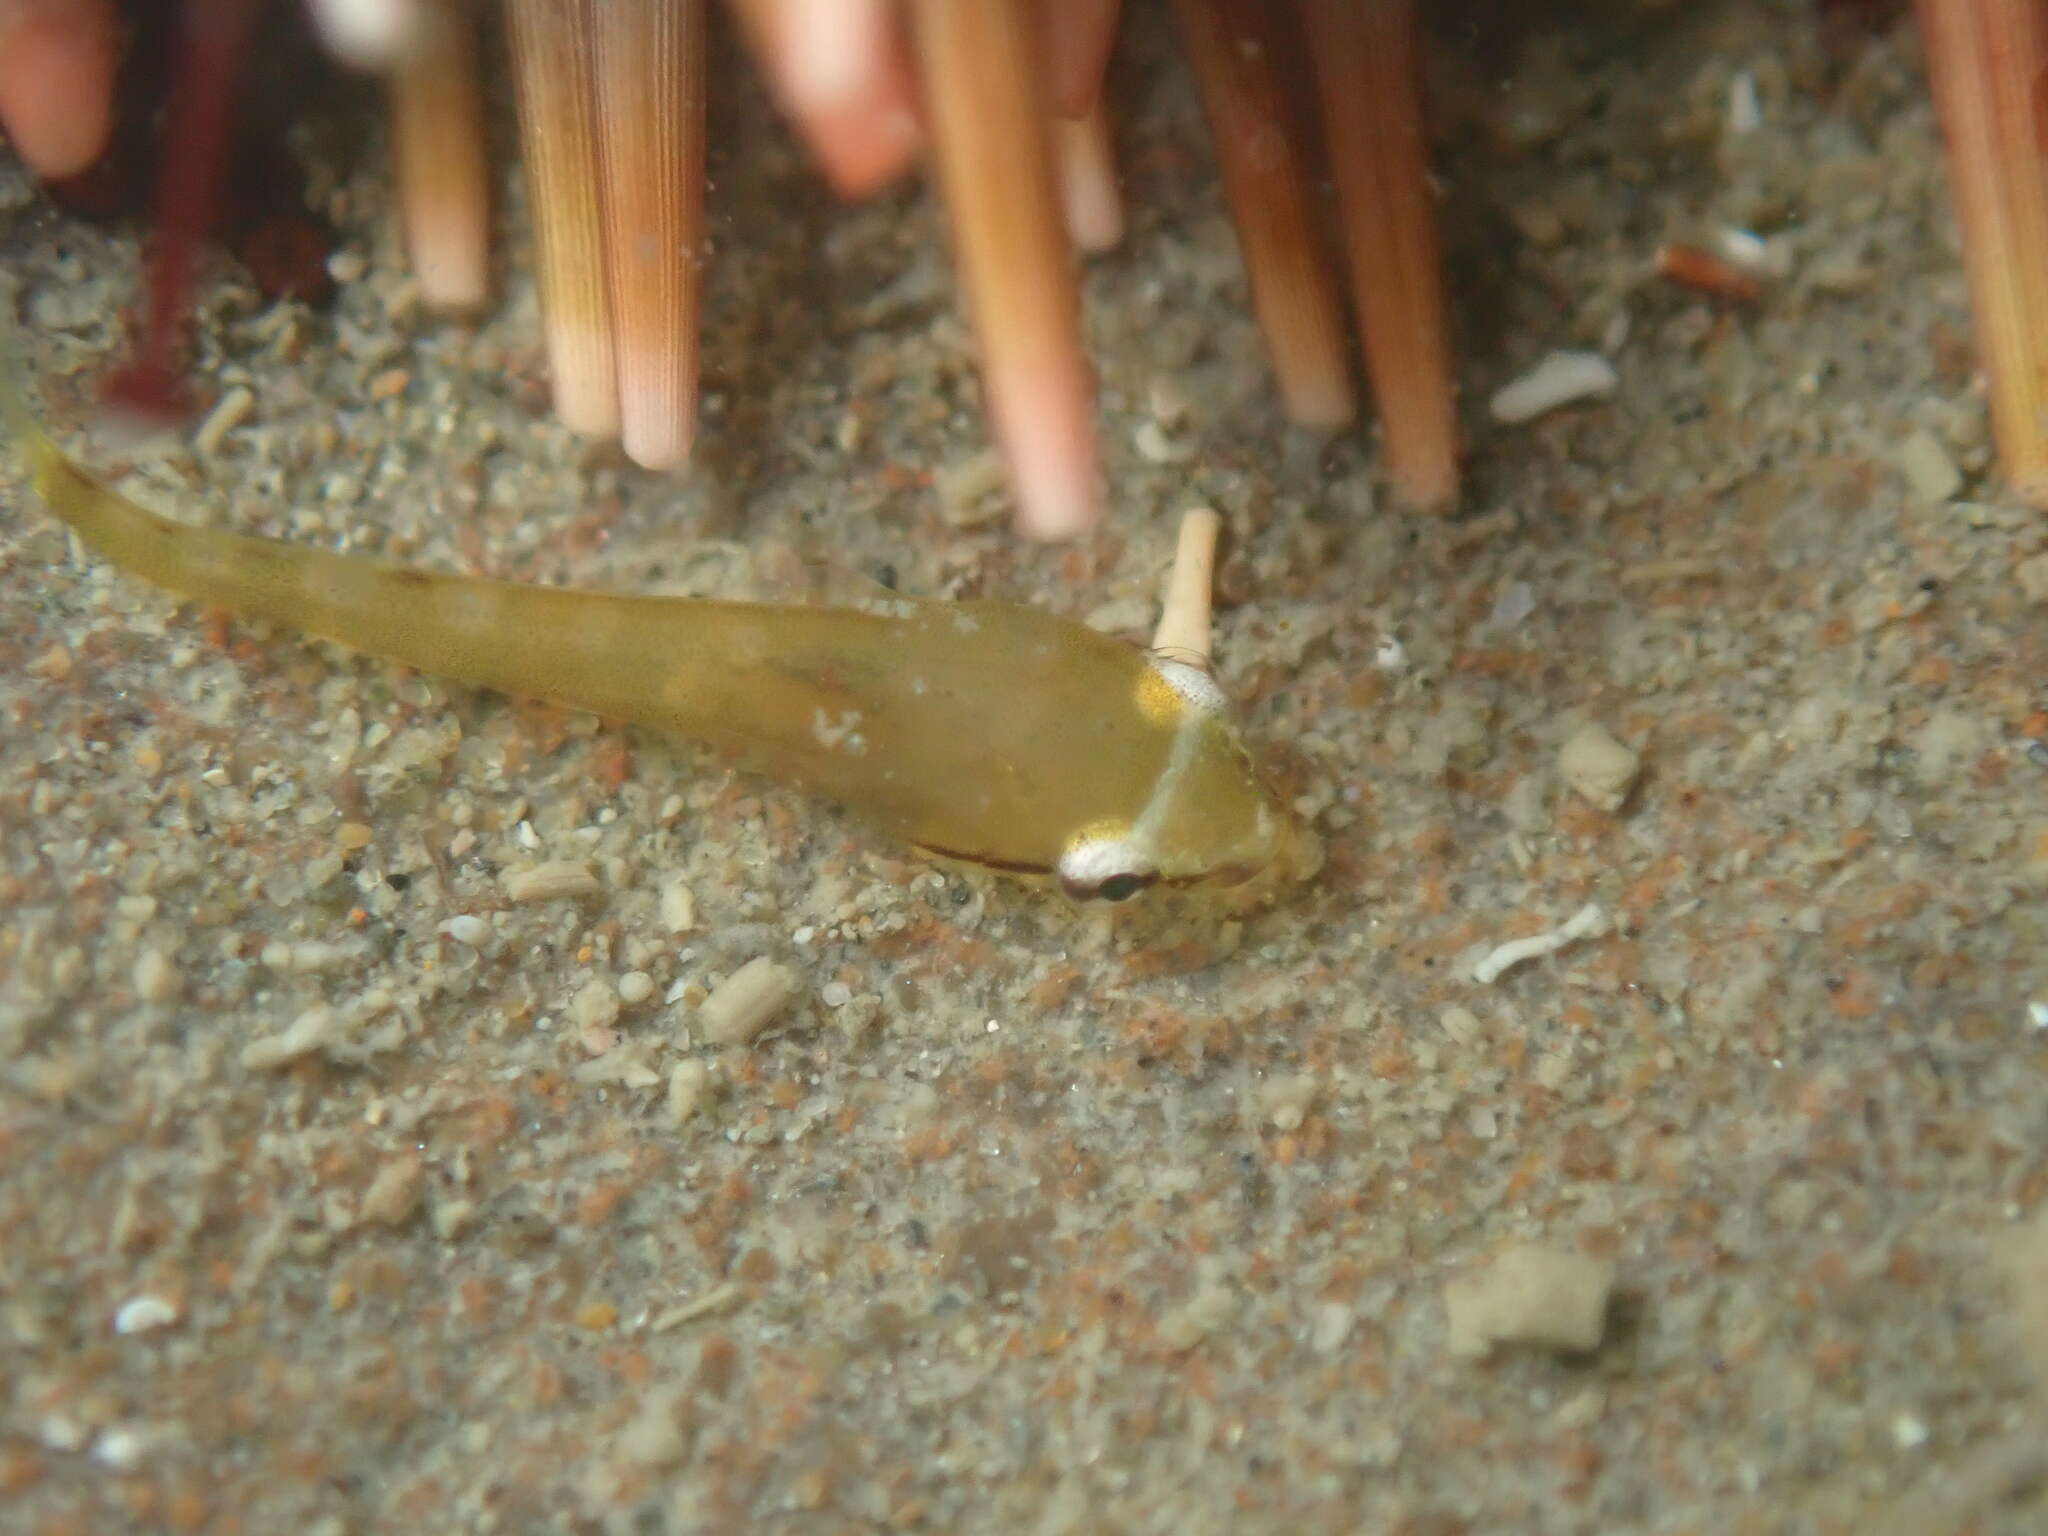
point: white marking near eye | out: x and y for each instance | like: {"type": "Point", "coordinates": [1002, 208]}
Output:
{"type": "Point", "coordinates": [1089, 863]}
{"type": "Point", "coordinates": [1102, 858]}
{"type": "Point", "coordinates": [1196, 688]}
{"type": "Point", "coordinates": [1186, 739]}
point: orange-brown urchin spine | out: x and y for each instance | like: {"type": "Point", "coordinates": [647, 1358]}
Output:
{"type": "Point", "coordinates": [1368, 68]}
{"type": "Point", "coordinates": [650, 94]}
{"type": "Point", "coordinates": [1987, 60]}
{"type": "Point", "coordinates": [442, 167]}
{"type": "Point", "coordinates": [552, 64]}
{"type": "Point", "coordinates": [1238, 50]}
{"type": "Point", "coordinates": [992, 144]}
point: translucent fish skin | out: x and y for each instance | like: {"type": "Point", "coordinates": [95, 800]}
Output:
{"type": "Point", "coordinates": [981, 731]}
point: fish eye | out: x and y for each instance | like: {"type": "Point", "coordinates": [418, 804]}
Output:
{"type": "Point", "coordinates": [1120, 887]}
{"type": "Point", "coordinates": [1105, 868]}
{"type": "Point", "coordinates": [1116, 888]}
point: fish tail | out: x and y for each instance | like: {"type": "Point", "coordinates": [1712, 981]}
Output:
{"type": "Point", "coordinates": [587, 650]}
{"type": "Point", "coordinates": [700, 668]}
{"type": "Point", "coordinates": [196, 562]}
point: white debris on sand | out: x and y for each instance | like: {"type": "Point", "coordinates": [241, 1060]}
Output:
{"type": "Point", "coordinates": [1530, 1295]}
{"type": "Point", "coordinates": [1600, 768]}
{"type": "Point", "coordinates": [1589, 922]}
{"type": "Point", "coordinates": [395, 1193]}
{"type": "Point", "coordinates": [467, 928]}
{"type": "Point", "coordinates": [544, 882]}
{"type": "Point", "coordinates": [319, 1028]}
{"type": "Point", "coordinates": [678, 907]}
{"type": "Point", "coordinates": [747, 1001]}
{"type": "Point", "coordinates": [687, 1084]}
{"type": "Point", "coordinates": [968, 490]}
{"type": "Point", "coordinates": [1929, 472]}
{"type": "Point", "coordinates": [145, 1314]}
{"type": "Point", "coordinates": [1562, 378]}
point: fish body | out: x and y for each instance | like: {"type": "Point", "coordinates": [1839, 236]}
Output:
{"type": "Point", "coordinates": [981, 731]}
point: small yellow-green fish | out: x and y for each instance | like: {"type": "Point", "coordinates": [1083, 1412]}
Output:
{"type": "Point", "coordinates": [984, 732]}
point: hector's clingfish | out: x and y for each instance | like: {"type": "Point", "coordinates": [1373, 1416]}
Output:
{"type": "Point", "coordinates": [984, 732]}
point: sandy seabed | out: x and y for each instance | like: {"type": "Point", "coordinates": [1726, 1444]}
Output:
{"type": "Point", "coordinates": [355, 1177]}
